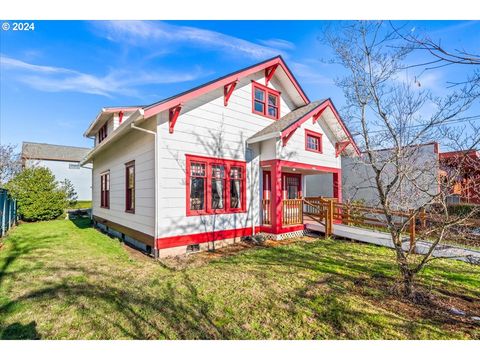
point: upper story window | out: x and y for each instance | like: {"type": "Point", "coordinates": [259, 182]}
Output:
{"type": "Point", "coordinates": [105, 190]}
{"type": "Point", "coordinates": [313, 141]}
{"type": "Point", "coordinates": [130, 187]}
{"type": "Point", "coordinates": [215, 186]}
{"type": "Point", "coordinates": [266, 101]}
{"type": "Point", "coordinates": [102, 133]}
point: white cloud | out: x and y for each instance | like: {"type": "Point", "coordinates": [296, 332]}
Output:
{"type": "Point", "coordinates": [427, 80]}
{"type": "Point", "coordinates": [278, 44]}
{"type": "Point", "coordinates": [160, 34]}
{"type": "Point", "coordinates": [58, 79]}
{"type": "Point", "coordinates": [310, 75]}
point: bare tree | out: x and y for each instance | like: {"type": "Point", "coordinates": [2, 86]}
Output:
{"type": "Point", "coordinates": [393, 118]}
{"type": "Point", "coordinates": [440, 56]}
{"type": "Point", "coordinates": [10, 163]}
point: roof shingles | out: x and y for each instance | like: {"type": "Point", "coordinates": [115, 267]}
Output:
{"type": "Point", "coordinates": [286, 121]}
{"type": "Point", "coordinates": [38, 151]}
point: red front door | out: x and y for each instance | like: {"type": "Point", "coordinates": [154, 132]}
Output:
{"type": "Point", "coordinates": [292, 186]}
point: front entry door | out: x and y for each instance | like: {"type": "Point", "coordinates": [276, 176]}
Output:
{"type": "Point", "coordinates": [292, 186]}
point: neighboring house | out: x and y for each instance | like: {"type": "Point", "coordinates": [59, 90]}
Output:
{"type": "Point", "coordinates": [63, 161]}
{"type": "Point", "coordinates": [466, 165]}
{"type": "Point", "coordinates": [215, 162]}
{"type": "Point", "coordinates": [358, 178]}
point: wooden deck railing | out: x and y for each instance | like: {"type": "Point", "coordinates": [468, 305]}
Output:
{"type": "Point", "coordinates": [328, 211]}
{"type": "Point", "coordinates": [320, 210]}
{"type": "Point", "coordinates": [292, 212]}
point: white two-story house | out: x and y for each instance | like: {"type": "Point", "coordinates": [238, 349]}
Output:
{"type": "Point", "coordinates": [214, 163]}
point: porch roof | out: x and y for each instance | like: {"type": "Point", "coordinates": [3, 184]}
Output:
{"type": "Point", "coordinates": [288, 120]}
{"type": "Point", "coordinates": [288, 123]}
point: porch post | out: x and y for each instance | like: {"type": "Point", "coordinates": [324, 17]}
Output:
{"type": "Point", "coordinates": [276, 196]}
{"type": "Point", "coordinates": [337, 185]}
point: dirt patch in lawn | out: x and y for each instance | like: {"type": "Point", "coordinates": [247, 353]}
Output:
{"type": "Point", "coordinates": [202, 258]}
{"type": "Point", "coordinates": [438, 305]}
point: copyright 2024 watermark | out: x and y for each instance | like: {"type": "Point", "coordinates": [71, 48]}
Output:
{"type": "Point", "coordinates": [18, 26]}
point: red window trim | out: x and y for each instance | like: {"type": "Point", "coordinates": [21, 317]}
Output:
{"type": "Point", "coordinates": [103, 132]}
{"type": "Point", "coordinates": [104, 193]}
{"type": "Point", "coordinates": [268, 91]}
{"type": "Point", "coordinates": [209, 162]}
{"type": "Point", "coordinates": [315, 135]}
{"type": "Point", "coordinates": [128, 206]}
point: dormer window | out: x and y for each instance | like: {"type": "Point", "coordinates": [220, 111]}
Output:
{"type": "Point", "coordinates": [102, 133]}
{"type": "Point", "coordinates": [266, 101]}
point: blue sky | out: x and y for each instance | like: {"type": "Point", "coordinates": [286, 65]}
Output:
{"type": "Point", "coordinates": [55, 79]}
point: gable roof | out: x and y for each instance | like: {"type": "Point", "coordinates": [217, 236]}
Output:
{"type": "Point", "coordinates": [42, 151]}
{"type": "Point", "coordinates": [297, 117]}
{"type": "Point", "coordinates": [172, 101]}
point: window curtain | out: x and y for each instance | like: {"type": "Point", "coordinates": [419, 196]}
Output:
{"type": "Point", "coordinates": [236, 194]}
{"type": "Point", "coordinates": [219, 191]}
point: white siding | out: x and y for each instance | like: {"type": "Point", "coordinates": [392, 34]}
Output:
{"type": "Point", "coordinates": [206, 127]}
{"type": "Point", "coordinates": [136, 146]}
{"type": "Point", "coordinates": [81, 178]}
{"type": "Point", "coordinates": [116, 119]}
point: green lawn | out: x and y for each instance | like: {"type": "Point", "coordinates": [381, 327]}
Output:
{"type": "Point", "coordinates": [65, 280]}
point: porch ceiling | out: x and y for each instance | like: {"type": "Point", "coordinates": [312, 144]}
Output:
{"type": "Point", "coordinates": [296, 170]}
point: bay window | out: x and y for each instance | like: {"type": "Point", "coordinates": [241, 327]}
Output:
{"type": "Point", "coordinates": [215, 186]}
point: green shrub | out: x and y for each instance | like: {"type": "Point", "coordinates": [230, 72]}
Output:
{"type": "Point", "coordinates": [39, 195]}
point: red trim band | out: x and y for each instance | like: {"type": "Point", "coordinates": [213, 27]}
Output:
{"type": "Point", "coordinates": [188, 239]}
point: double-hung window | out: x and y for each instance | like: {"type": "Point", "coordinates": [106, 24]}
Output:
{"type": "Point", "coordinates": [215, 186]}
{"type": "Point", "coordinates": [266, 101]}
{"type": "Point", "coordinates": [102, 133]}
{"type": "Point", "coordinates": [105, 190]}
{"type": "Point", "coordinates": [130, 187]}
{"type": "Point", "coordinates": [313, 141]}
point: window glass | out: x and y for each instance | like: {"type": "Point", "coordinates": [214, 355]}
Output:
{"type": "Point", "coordinates": [259, 94]}
{"type": "Point", "coordinates": [313, 142]}
{"type": "Point", "coordinates": [260, 107]}
{"type": "Point", "coordinates": [197, 186]}
{"type": "Point", "coordinates": [218, 187]}
{"type": "Point", "coordinates": [130, 191]}
{"type": "Point", "coordinates": [235, 187]}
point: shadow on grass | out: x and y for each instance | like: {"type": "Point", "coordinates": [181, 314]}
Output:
{"type": "Point", "coordinates": [111, 305]}
{"type": "Point", "coordinates": [175, 310]}
{"type": "Point", "coordinates": [82, 223]}
{"type": "Point", "coordinates": [17, 331]}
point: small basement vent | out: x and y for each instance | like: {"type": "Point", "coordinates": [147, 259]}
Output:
{"type": "Point", "coordinates": [193, 248]}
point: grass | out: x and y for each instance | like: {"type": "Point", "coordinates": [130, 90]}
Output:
{"type": "Point", "coordinates": [65, 280]}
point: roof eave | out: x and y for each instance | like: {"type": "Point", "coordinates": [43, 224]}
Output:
{"type": "Point", "coordinates": [136, 118]}
{"type": "Point", "coordinates": [264, 137]}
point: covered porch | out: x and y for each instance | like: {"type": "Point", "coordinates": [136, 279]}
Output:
{"type": "Point", "coordinates": [284, 205]}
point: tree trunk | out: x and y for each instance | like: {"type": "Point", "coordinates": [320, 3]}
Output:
{"type": "Point", "coordinates": [407, 281]}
